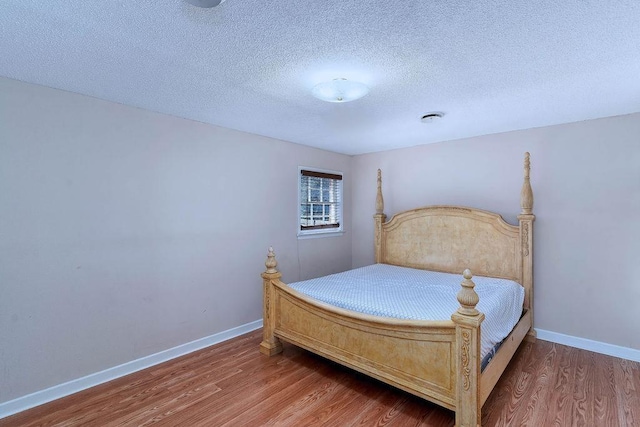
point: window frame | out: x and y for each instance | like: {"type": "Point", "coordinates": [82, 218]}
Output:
{"type": "Point", "coordinates": [321, 231]}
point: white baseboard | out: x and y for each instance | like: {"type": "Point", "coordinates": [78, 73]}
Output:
{"type": "Point", "coordinates": [61, 390]}
{"type": "Point", "coordinates": [585, 344]}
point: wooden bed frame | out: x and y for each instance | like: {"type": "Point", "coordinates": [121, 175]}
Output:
{"type": "Point", "coordinates": [436, 360]}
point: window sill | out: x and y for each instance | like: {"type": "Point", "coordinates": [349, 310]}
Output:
{"type": "Point", "coordinates": [319, 234]}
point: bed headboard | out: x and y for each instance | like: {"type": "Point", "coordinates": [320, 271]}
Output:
{"type": "Point", "coordinates": [453, 238]}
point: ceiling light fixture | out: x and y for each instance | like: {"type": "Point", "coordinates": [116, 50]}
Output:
{"type": "Point", "coordinates": [205, 3]}
{"type": "Point", "coordinates": [339, 90]}
{"type": "Point", "coordinates": [431, 117]}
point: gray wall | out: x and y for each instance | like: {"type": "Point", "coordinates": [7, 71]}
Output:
{"type": "Point", "coordinates": [586, 183]}
{"type": "Point", "coordinates": [125, 232]}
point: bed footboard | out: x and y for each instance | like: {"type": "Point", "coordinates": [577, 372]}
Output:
{"type": "Point", "coordinates": [436, 360]}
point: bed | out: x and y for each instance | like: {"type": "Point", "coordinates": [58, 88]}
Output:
{"type": "Point", "coordinates": [438, 360]}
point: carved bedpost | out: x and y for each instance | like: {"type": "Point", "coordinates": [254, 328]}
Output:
{"type": "Point", "coordinates": [379, 219]}
{"type": "Point", "coordinates": [526, 219]}
{"type": "Point", "coordinates": [270, 343]}
{"type": "Point", "coordinates": [468, 320]}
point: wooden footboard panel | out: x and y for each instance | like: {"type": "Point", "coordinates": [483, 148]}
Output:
{"type": "Point", "coordinates": [416, 356]}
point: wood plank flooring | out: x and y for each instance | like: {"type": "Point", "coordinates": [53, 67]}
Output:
{"type": "Point", "coordinates": [232, 384]}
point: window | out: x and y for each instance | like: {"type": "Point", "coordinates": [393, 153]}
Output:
{"type": "Point", "coordinates": [320, 202]}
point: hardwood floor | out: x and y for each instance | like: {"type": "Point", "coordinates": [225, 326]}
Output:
{"type": "Point", "coordinates": [232, 384]}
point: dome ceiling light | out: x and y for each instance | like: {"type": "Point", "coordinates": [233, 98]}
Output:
{"type": "Point", "coordinates": [339, 90]}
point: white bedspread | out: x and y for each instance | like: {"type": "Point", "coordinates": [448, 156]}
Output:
{"type": "Point", "coordinates": [407, 293]}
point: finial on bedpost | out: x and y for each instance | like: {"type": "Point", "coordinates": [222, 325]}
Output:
{"type": "Point", "coordinates": [467, 322]}
{"type": "Point", "coordinates": [526, 219]}
{"type": "Point", "coordinates": [526, 195]}
{"type": "Point", "coordinates": [270, 344]}
{"type": "Point", "coordinates": [467, 297]}
{"type": "Point", "coordinates": [271, 262]}
{"type": "Point", "coordinates": [379, 199]}
{"type": "Point", "coordinates": [379, 219]}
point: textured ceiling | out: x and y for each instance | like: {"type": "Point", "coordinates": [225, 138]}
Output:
{"type": "Point", "coordinates": [490, 66]}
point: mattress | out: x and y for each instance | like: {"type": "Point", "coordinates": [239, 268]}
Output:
{"type": "Point", "coordinates": [408, 293]}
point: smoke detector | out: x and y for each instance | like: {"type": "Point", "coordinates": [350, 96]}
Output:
{"type": "Point", "coordinates": [205, 3]}
{"type": "Point", "coordinates": [431, 117]}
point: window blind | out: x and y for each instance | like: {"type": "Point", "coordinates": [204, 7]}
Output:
{"type": "Point", "coordinates": [320, 200]}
